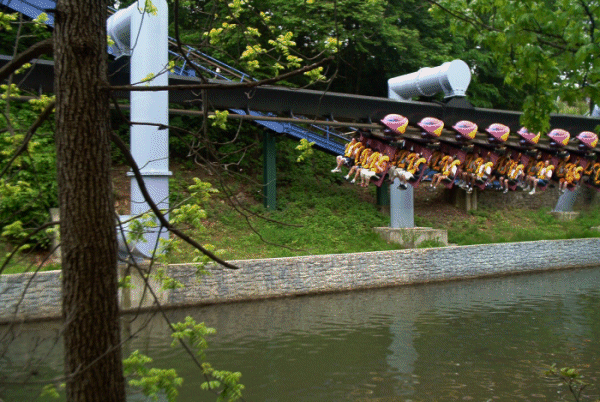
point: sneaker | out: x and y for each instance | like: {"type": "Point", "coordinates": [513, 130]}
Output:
{"type": "Point", "coordinates": [532, 192]}
{"type": "Point", "coordinates": [353, 181]}
{"type": "Point", "coordinates": [402, 186]}
{"type": "Point", "coordinates": [336, 170]}
{"type": "Point", "coordinates": [526, 188]}
{"type": "Point", "coordinates": [347, 177]}
{"type": "Point", "coordinates": [505, 191]}
{"type": "Point", "coordinates": [469, 190]}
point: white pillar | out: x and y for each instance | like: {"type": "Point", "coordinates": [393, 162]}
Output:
{"type": "Point", "coordinates": [146, 41]}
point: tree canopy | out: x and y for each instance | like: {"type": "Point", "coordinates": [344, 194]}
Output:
{"type": "Point", "coordinates": [547, 48]}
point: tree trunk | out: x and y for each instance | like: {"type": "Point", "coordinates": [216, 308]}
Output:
{"type": "Point", "coordinates": [93, 364]}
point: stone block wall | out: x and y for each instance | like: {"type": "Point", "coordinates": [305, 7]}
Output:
{"type": "Point", "coordinates": [341, 272]}
{"type": "Point", "coordinates": [279, 277]}
{"type": "Point", "coordinates": [30, 295]}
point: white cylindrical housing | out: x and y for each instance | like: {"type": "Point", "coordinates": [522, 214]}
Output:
{"type": "Point", "coordinates": [149, 144]}
{"type": "Point", "coordinates": [144, 36]}
{"type": "Point", "coordinates": [118, 28]}
{"type": "Point", "coordinates": [452, 77]}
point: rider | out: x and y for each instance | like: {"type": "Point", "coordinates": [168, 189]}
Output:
{"type": "Point", "coordinates": [448, 171]}
{"type": "Point", "coordinates": [347, 158]}
{"type": "Point", "coordinates": [543, 176]}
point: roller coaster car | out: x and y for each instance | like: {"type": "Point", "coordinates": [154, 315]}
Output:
{"type": "Point", "coordinates": [559, 138]}
{"type": "Point", "coordinates": [432, 127]}
{"type": "Point", "coordinates": [466, 130]}
{"type": "Point", "coordinates": [497, 133]}
{"type": "Point", "coordinates": [395, 124]}
{"type": "Point", "coordinates": [528, 139]}
{"type": "Point", "coordinates": [587, 142]}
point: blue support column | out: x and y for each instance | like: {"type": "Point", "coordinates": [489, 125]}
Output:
{"type": "Point", "coordinates": [269, 171]}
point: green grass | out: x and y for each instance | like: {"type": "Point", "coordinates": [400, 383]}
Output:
{"type": "Point", "coordinates": [500, 226]}
{"type": "Point", "coordinates": [23, 262]}
{"type": "Point", "coordinates": [320, 213]}
{"type": "Point", "coordinates": [315, 216]}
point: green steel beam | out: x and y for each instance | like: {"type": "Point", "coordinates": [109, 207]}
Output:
{"type": "Point", "coordinates": [383, 195]}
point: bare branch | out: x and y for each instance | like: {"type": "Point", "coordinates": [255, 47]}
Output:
{"type": "Point", "coordinates": [40, 48]}
{"type": "Point", "coordinates": [249, 84]}
{"type": "Point", "coordinates": [161, 218]}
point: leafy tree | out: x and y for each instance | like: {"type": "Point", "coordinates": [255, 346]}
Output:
{"type": "Point", "coordinates": [83, 135]}
{"type": "Point", "coordinates": [547, 48]}
{"type": "Point", "coordinates": [27, 181]}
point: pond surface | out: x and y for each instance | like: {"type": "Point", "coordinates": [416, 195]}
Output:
{"type": "Point", "coordinates": [479, 340]}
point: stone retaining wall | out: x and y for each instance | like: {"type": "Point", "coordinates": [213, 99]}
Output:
{"type": "Point", "coordinates": [257, 279]}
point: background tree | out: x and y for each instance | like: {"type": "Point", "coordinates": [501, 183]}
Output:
{"type": "Point", "coordinates": [549, 49]}
{"type": "Point", "coordinates": [93, 361]}
{"type": "Point", "coordinates": [373, 41]}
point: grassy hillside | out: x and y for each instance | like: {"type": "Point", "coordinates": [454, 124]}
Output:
{"type": "Point", "coordinates": [320, 213]}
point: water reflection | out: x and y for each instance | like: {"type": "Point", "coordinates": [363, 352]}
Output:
{"type": "Point", "coordinates": [480, 340]}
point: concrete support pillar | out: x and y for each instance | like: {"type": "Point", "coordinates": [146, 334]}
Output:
{"type": "Point", "coordinates": [402, 206]}
{"type": "Point", "coordinates": [567, 200]}
{"type": "Point", "coordinates": [471, 204]}
{"type": "Point", "coordinates": [269, 171]}
{"type": "Point", "coordinates": [462, 199]}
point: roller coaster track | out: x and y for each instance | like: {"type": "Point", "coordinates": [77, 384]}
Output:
{"type": "Point", "coordinates": [324, 137]}
{"type": "Point", "coordinates": [278, 101]}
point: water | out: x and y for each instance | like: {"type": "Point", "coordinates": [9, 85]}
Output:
{"type": "Point", "coordinates": [479, 340]}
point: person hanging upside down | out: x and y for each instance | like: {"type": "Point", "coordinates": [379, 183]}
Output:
{"type": "Point", "coordinates": [571, 177]}
{"type": "Point", "coordinates": [532, 170]}
{"type": "Point", "coordinates": [483, 173]}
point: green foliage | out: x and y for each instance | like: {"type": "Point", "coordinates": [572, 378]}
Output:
{"type": "Point", "coordinates": [168, 283]}
{"type": "Point", "coordinates": [193, 333]}
{"type": "Point", "coordinates": [224, 383]}
{"type": "Point", "coordinates": [28, 189]}
{"type": "Point", "coordinates": [570, 377]}
{"type": "Point", "coordinates": [152, 382]}
{"type": "Point", "coordinates": [306, 150]}
{"type": "Point", "coordinates": [125, 283]}
{"type": "Point", "coordinates": [219, 119]}
{"type": "Point", "coordinates": [17, 33]}
{"type": "Point", "coordinates": [547, 48]}
{"type": "Point", "coordinates": [50, 392]}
